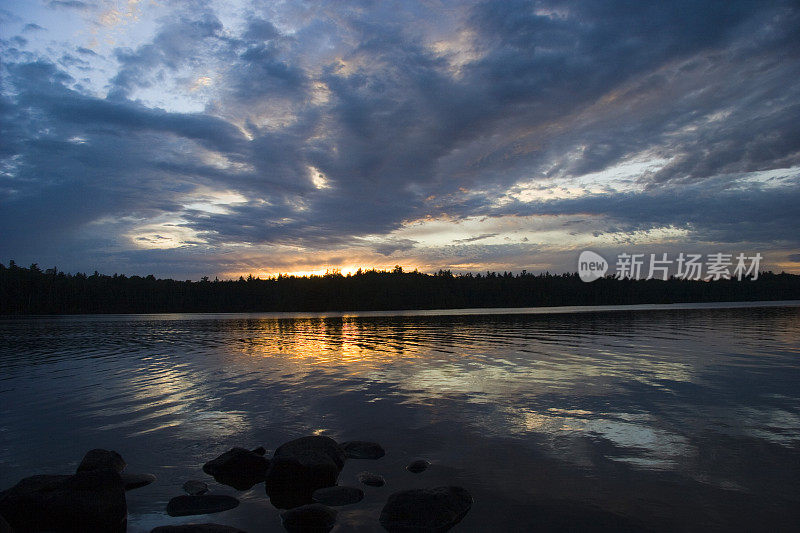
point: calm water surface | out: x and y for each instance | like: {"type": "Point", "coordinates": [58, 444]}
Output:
{"type": "Point", "coordinates": [645, 417]}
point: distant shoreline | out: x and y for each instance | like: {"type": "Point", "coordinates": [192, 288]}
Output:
{"type": "Point", "coordinates": [31, 291]}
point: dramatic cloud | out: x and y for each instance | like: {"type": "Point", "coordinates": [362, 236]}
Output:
{"type": "Point", "coordinates": [223, 138]}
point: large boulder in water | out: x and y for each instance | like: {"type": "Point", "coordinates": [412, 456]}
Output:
{"type": "Point", "coordinates": [89, 501]}
{"type": "Point", "coordinates": [425, 510]}
{"type": "Point", "coordinates": [238, 468]}
{"type": "Point", "coordinates": [300, 467]}
{"type": "Point", "coordinates": [98, 459]}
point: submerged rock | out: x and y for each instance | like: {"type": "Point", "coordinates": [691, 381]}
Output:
{"type": "Point", "coordinates": [430, 510]}
{"type": "Point", "coordinates": [300, 467]}
{"type": "Point", "coordinates": [195, 487]}
{"type": "Point", "coordinates": [359, 449]}
{"type": "Point", "coordinates": [339, 495]}
{"type": "Point", "coordinates": [92, 500]}
{"type": "Point", "coordinates": [98, 459]}
{"type": "Point", "coordinates": [420, 465]}
{"type": "Point", "coordinates": [200, 504]}
{"type": "Point", "coordinates": [238, 468]}
{"type": "Point", "coordinates": [312, 518]}
{"type": "Point", "coordinates": [196, 528]}
{"type": "Point", "coordinates": [373, 480]}
{"type": "Point", "coordinates": [135, 481]}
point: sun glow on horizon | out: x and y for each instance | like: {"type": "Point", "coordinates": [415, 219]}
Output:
{"type": "Point", "coordinates": [345, 270]}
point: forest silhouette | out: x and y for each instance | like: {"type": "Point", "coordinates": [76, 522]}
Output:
{"type": "Point", "coordinates": [32, 290]}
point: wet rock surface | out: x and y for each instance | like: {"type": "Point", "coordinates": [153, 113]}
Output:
{"type": "Point", "coordinates": [201, 504]}
{"type": "Point", "coordinates": [197, 528]}
{"type": "Point", "coordinates": [99, 459]}
{"type": "Point", "coordinates": [339, 495]}
{"type": "Point", "coordinates": [420, 465]}
{"type": "Point", "coordinates": [312, 518]}
{"type": "Point", "coordinates": [360, 449]}
{"type": "Point", "coordinates": [430, 510]}
{"type": "Point", "coordinates": [194, 487]}
{"type": "Point", "coordinates": [370, 479]}
{"type": "Point", "coordinates": [135, 481]}
{"type": "Point", "coordinates": [239, 468]}
{"type": "Point", "coordinates": [300, 467]}
{"type": "Point", "coordinates": [91, 500]}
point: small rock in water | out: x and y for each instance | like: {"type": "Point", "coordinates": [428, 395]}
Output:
{"type": "Point", "coordinates": [437, 509]}
{"type": "Point", "coordinates": [135, 481]}
{"type": "Point", "coordinates": [98, 459]}
{"type": "Point", "coordinates": [359, 449]}
{"type": "Point", "coordinates": [420, 465]}
{"type": "Point", "coordinates": [373, 480]}
{"type": "Point", "coordinates": [338, 495]}
{"type": "Point", "coordinates": [201, 504]}
{"type": "Point", "coordinates": [311, 518]}
{"type": "Point", "coordinates": [238, 468]}
{"type": "Point", "coordinates": [197, 528]}
{"type": "Point", "coordinates": [195, 487]}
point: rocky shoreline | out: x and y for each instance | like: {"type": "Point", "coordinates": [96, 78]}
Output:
{"type": "Point", "coordinates": [300, 478]}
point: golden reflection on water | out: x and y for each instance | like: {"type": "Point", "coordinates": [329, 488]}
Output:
{"type": "Point", "coordinates": [323, 341]}
{"type": "Point", "coordinates": [466, 358]}
{"type": "Point", "coordinates": [520, 367]}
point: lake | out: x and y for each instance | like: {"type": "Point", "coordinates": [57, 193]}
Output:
{"type": "Point", "coordinates": [638, 417]}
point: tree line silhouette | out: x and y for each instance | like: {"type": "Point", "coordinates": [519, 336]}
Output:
{"type": "Point", "coordinates": [35, 291]}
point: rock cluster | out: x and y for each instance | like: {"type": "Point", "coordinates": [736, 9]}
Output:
{"type": "Point", "coordinates": [301, 477]}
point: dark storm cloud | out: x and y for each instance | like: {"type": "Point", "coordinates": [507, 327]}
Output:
{"type": "Point", "coordinates": [401, 130]}
{"type": "Point", "coordinates": [711, 214]}
{"type": "Point", "coordinates": [40, 86]}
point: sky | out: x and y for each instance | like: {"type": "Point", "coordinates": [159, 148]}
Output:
{"type": "Point", "coordinates": [193, 138]}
